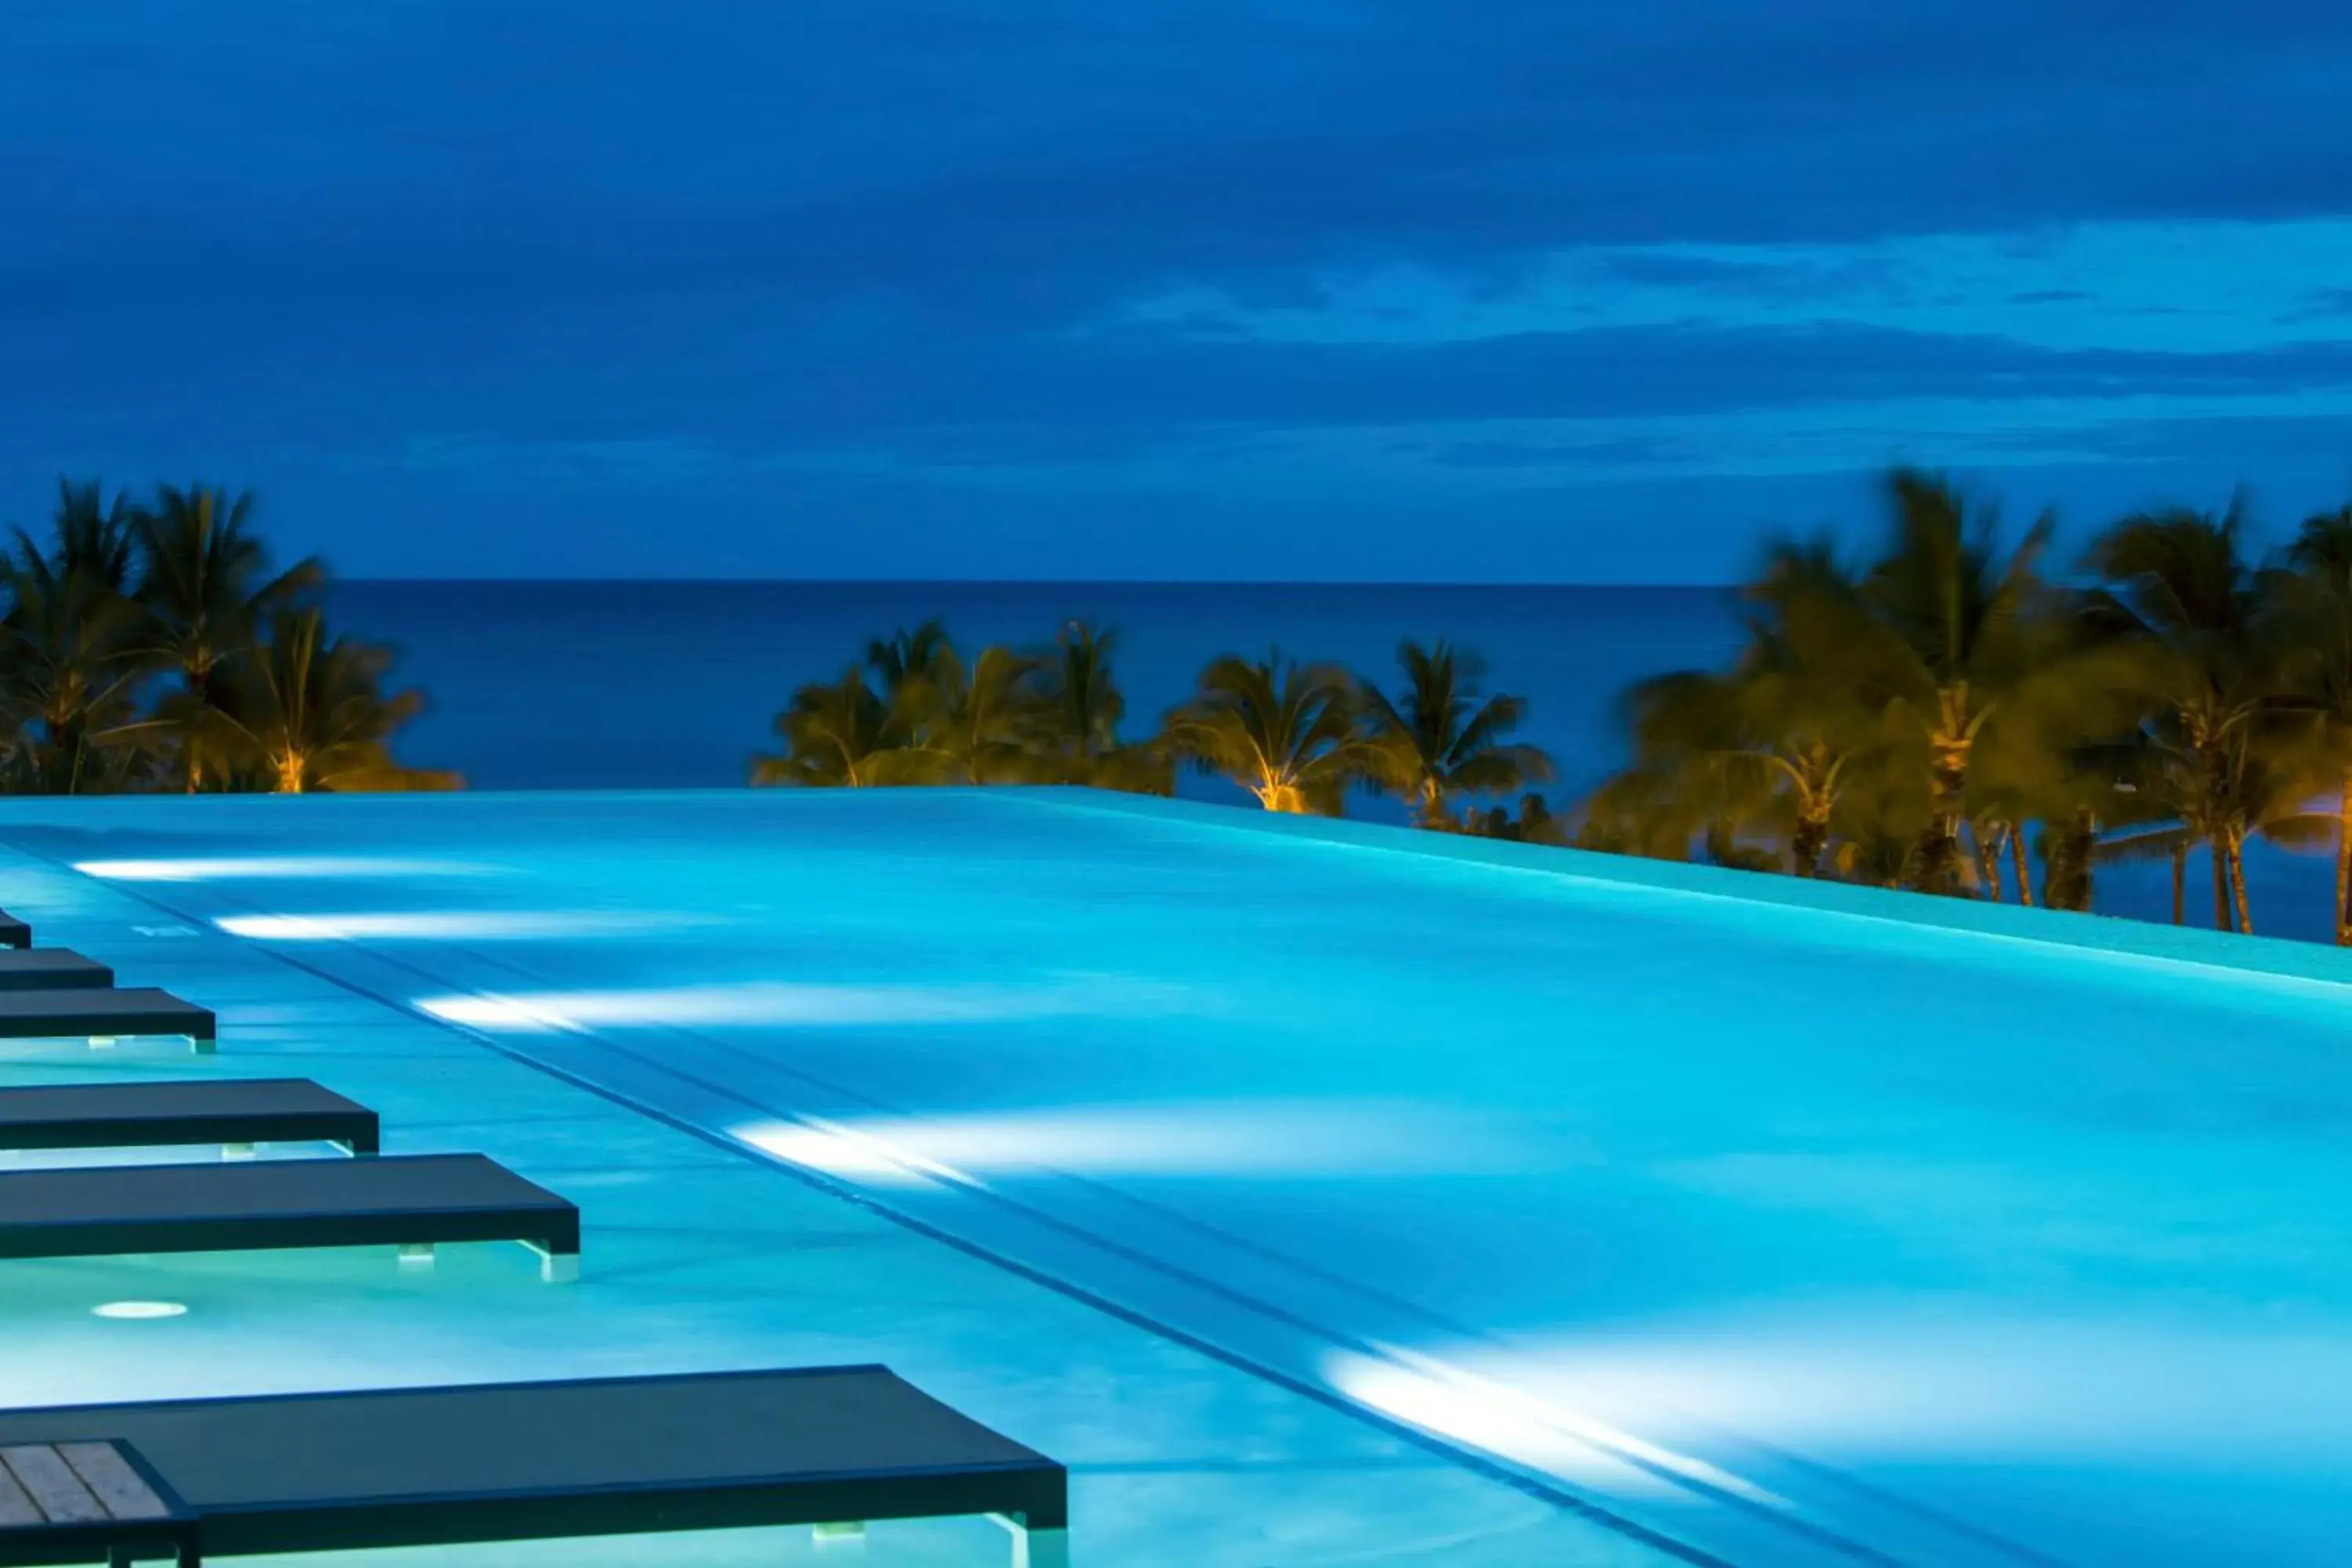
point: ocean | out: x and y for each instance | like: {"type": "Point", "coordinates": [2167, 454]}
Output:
{"type": "Point", "coordinates": [666, 685]}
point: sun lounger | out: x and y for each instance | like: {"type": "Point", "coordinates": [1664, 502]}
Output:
{"type": "Point", "coordinates": [50, 969]}
{"type": "Point", "coordinates": [235, 1113]}
{"type": "Point", "coordinates": [78, 1502]}
{"type": "Point", "coordinates": [14, 932]}
{"type": "Point", "coordinates": [530, 1461]}
{"type": "Point", "coordinates": [413, 1202]}
{"type": "Point", "coordinates": [102, 1016]}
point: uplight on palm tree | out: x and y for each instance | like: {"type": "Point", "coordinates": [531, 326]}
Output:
{"type": "Point", "coordinates": [1952, 611]}
{"type": "Point", "coordinates": [1283, 731]}
{"type": "Point", "coordinates": [204, 592]}
{"type": "Point", "coordinates": [311, 713]}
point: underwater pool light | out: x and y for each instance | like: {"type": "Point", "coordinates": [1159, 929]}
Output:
{"type": "Point", "coordinates": [136, 1310]}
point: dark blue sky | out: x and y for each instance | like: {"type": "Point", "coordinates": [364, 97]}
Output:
{"type": "Point", "coordinates": [1518, 289]}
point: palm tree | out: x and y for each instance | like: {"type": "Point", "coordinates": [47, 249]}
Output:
{"type": "Point", "coordinates": [1442, 737]}
{"type": "Point", "coordinates": [308, 713]}
{"type": "Point", "coordinates": [1958, 637]}
{"type": "Point", "coordinates": [2315, 601]}
{"type": "Point", "coordinates": [205, 590]}
{"type": "Point", "coordinates": [93, 536]}
{"type": "Point", "coordinates": [67, 679]}
{"type": "Point", "coordinates": [1284, 732]}
{"type": "Point", "coordinates": [905, 655]}
{"type": "Point", "coordinates": [1774, 742]}
{"type": "Point", "coordinates": [1081, 710]}
{"type": "Point", "coordinates": [2180, 599]}
{"type": "Point", "coordinates": [70, 677]}
{"type": "Point", "coordinates": [841, 734]}
{"type": "Point", "coordinates": [981, 720]}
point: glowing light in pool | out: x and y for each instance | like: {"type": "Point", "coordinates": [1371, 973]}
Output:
{"type": "Point", "coordinates": [1501, 1419]}
{"type": "Point", "coordinates": [272, 866]}
{"type": "Point", "coordinates": [454, 925]}
{"type": "Point", "coordinates": [140, 1309]}
{"type": "Point", "coordinates": [1206, 1140]}
{"type": "Point", "coordinates": [847, 1153]}
{"type": "Point", "coordinates": [805, 1006]}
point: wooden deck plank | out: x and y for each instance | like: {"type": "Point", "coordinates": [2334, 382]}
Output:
{"type": "Point", "coordinates": [56, 1489]}
{"type": "Point", "coordinates": [16, 1503]}
{"type": "Point", "coordinates": [111, 1480]}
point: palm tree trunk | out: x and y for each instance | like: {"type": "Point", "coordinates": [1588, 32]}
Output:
{"type": "Point", "coordinates": [2238, 882]}
{"type": "Point", "coordinates": [1939, 842]}
{"type": "Point", "coordinates": [2017, 864]}
{"type": "Point", "coordinates": [2344, 865]}
{"type": "Point", "coordinates": [2220, 885]}
{"type": "Point", "coordinates": [1989, 862]}
{"type": "Point", "coordinates": [2180, 883]}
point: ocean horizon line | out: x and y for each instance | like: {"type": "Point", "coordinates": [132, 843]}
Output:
{"type": "Point", "coordinates": [1451, 586]}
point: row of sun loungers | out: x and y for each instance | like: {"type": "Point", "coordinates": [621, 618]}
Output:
{"type": "Point", "coordinates": [830, 1447]}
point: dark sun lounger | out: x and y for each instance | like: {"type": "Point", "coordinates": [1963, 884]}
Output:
{"type": "Point", "coordinates": [412, 1202]}
{"type": "Point", "coordinates": [14, 932]}
{"type": "Point", "coordinates": [101, 1015]}
{"type": "Point", "coordinates": [235, 1113]}
{"type": "Point", "coordinates": [50, 969]}
{"type": "Point", "coordinates": [529, 1461]}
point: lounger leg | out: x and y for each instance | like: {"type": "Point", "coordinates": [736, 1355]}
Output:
{"type": "Point", "coordinates": [1036, 1548]}
{"type": "Point", "coordinates": [1042, 1549]}
{"type": "Point", "coordinates": [416, 1255]}
{"type": "Point", "coordinates": [558, 1267]}
{"type": "Point", "coordinates": [837, 1536]}
{"type": "Point", "coordinates": [101, 1042]}
{"type": "Point", "coordinates": [205, 1046]}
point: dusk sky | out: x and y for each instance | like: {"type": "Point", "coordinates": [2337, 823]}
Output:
{"type": "Point", "coordinates": [1510, 291]}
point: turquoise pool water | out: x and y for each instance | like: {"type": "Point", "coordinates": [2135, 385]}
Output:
{"type": "Point", "coordinates": [1334, 1199]}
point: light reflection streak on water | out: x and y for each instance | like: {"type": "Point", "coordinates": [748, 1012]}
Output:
{"type": "Point", "coordinates": [762, 1002]}
{"type": "Point", "coordinates": [468, 925]}
{"type": "Point", "coordinates": [1228, 1140]}
{"type": "Point", "coordinates": [1500, 1419]}
{"type": "Point", "coordinates": [275, 867]}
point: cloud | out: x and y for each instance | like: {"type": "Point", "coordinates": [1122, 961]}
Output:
{"type": "Point", "coordinates": [503, 251]}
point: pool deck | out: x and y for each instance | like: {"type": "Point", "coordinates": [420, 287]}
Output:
{"type": "Point", "coordinates": [699, 1255]}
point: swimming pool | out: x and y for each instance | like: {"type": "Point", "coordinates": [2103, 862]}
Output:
{"type": "Point", "coordinates": [1796, 1224]}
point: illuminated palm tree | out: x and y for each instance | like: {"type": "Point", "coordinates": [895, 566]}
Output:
{"type": "Point", "coordinates": [1284, 732]}
{"type": "Point", "coordinates": [1773, 744]}
{"type": "Point", "coordinates": [204, 592]}
{"type": "Point", "coordinates": [1442, 737]}
{"type": "Point", "coordinates": [1954, 626]}
{"type": "Point", "coordinates": [308, 711]}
